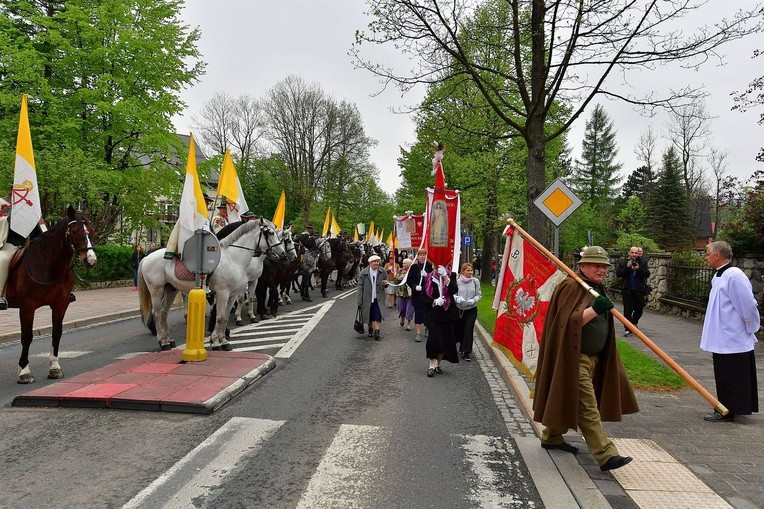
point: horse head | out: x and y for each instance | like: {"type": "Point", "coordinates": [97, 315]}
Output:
{"type": "Point", "coordinates": [78, 231]}
{"type": "Point", "coordinates": [324, 248]}
{"type": "Point", "coordinates": [289, 244]}
{"type": "Point", "coordinates": [269, 241]}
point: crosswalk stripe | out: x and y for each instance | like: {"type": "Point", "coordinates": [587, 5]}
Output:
{"type": "Point", "coordinates": [259, 347]}
{"type": "Point", "coordinates": [288, 349]}
{"type": "Point", "coordinates": [258, 340]}
{"type": "Point", "coordinates": [64, 354]}
{"type": "Point", "coordinates": [205, 468]}
{"type": "Point", "coordinates": [348, 467]}
{"type": "Point", "coordinates": [276, 326]}
{"type": "Point", "coordinates": [481, 454]}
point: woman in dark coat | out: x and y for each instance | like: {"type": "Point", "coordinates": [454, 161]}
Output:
{"type": "Point", "coordinates": [440, 313]}
{"type": "Point", "coordinates": [370, 291]}
{"type": "Point", "coordinates": [415, 280]}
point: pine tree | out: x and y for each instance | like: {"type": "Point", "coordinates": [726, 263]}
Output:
{"type": "Point", "coordinates": [638, 183]}
{"type": "Point", "coordinates": [596, 174]}
{"type": "Point", "coordinates": [668, 207]}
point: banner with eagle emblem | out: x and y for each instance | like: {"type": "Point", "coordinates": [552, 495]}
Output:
{"type": "Point", "coordinates": [525, 286]}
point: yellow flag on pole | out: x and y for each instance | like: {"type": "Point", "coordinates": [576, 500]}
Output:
{"type": "Point", "coordinates": [325, 231]}
{"type": "Point", "coordinates": [355, 235]}
{"type": "Point", "coordinates": [278, 216]}
{"type": "Point", "coordinates": [371, 233]}
{"type": "Point", "coordinates": [230, 187]}
{"type": "Point", "coordinates": [389, 240]}
{"type": "Point", "coordinates": [193, 209]}
{"type": "Point", "coordinates": [25, 197]}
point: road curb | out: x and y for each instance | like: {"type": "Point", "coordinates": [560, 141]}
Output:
{"type": "Point", "coordinates": [561, 480]}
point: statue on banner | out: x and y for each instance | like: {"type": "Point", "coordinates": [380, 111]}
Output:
{"type": "Point", "coordinates": [439, 224]}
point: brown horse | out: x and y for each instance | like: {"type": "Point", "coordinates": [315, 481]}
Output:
{"type": "Point", "coordinates": [42, 276]}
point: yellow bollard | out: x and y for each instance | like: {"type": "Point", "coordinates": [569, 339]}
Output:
{"type": "Point", "coordinates": [194, 350]}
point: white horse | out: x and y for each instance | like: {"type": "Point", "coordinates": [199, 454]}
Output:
{"type": "Point", "coordinates": [255, 270]}
{"type": "Point", "coordinates": [158, 286]}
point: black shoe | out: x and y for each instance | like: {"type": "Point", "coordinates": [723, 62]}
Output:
{"type": "Point", "coordinates": [627, 334]}
{"type": "Point", "coordinates": [371, 333]}
{"type": "Point", "coordinates": [3, 304]}
{"type": "Point", "coordinates": [438, 370]}
{"type": "Point", "coordinates": [615, 462]}
{"type": "Point", "coordinates": [466, 356]}
{"type": "Point", "coordinates": [717, 417]}
{"type": "Point", "coordinates": [72, 297]}
{"type": "Point", "coordinates": [563, 447]}
{"type": "Point", "coordinates": [376, 335]}
{"type": "Point", "coordinates": [431, 372]}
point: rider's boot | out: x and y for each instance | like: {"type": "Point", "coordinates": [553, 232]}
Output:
{"type": "Point", "coordinates": [169, 255]}
{"type": "Point", "coordinates": [3, 303]}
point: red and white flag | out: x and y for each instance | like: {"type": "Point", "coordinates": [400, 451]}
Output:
{"type": "Point", "coordinates": [525, 286]}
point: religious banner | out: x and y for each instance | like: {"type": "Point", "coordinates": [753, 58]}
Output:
{"type": "Point", "coordinates": [524, 288]}
{"type": "Point", "coordinates": [25, 195]}
{"type": "Point", "coordinates": [442, 235]}
{"type": "Point", "coordinates": [409, 230]}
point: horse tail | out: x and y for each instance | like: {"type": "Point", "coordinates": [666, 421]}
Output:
{"type": "Point", "coordinates": [144, 296]}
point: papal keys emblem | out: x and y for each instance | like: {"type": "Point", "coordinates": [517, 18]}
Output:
{"type": "Point", "coordinates": [521, 301]}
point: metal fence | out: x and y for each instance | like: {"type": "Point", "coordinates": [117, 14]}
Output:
{"type": "Point", "coordinates": [687, 283]}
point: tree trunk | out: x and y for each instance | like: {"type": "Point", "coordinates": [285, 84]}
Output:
{"type": "Point", "coordinates": [489, 234]}
{"type": "Point", "coordinates": [535, 166]}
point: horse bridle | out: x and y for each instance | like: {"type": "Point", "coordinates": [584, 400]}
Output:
{"type": "Point", "coordinates": [257, 251]}
{"type": "Point", "coordinates": [88, 243]}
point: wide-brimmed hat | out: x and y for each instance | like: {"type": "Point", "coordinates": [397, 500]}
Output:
{"type": "Point", "coordinates": [207, 197]}
{"type": "Point", "coordinates": [223, 206]}
{"type": "Point", "coordinates": [594, 254]}
{"type": "Point", "coordinates": [374, 258]}
{"type": "Point", "coordinates": [248, 215]}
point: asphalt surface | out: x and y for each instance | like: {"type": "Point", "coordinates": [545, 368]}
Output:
{"type": "Point", "coordinates": [727, 457]}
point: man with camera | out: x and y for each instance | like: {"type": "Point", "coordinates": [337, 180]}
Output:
{"type": "Point", "coordinates": [634, 273]}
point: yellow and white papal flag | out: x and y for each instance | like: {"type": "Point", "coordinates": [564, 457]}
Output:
{"type": "Point", "coordinates": [25, 196]}
{"type": "Point", "coordinates": [193, 209]}
{"type": "Point", "coordinates": [230, 187]}
{"type": "Point", "coordinates": [334, 229]}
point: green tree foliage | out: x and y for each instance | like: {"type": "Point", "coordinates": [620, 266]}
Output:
{"type": "Point", "coordinates": [746, 233]}
{"type": "Point", "coordinates": [104, 80]}
{"type": "Point", "coordinates": [668, 207]}
{"type": "Point", "coordinates": [632, 217]}
{"type": "Point", "coordinates": [595, 176]}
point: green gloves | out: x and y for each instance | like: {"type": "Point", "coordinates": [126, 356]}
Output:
{"type": "Point", "coordinates": [602, 304]}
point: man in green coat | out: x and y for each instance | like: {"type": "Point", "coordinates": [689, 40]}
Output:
{"type": "Point", "coordinates": [580, 380]}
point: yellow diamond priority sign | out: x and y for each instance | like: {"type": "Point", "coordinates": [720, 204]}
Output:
{"type": "Point", "coordinates": [557, 202]}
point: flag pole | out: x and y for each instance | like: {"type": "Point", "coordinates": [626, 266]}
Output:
{"type": "Point", "coordinates": [715, 403]}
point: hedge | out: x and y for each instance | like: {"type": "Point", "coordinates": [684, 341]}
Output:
{"type": "Point", "coordinates": [113, 265]}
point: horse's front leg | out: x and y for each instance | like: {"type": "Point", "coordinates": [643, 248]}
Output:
{"type": "Point", "coordinates": [241, 300]}
{"type": "Point", "coordinates": [26, 317]}
{"type": "Point", "coordinates": [55, 372]}
{"type": "Point", "coordinates": [217, 338]}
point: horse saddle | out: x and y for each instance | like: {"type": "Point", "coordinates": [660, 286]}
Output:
{"type": "Point", "coordinates": [182, 272]}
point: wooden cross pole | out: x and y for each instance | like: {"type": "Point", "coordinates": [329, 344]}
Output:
{"type": "Point", "coordinates": [715, 403]}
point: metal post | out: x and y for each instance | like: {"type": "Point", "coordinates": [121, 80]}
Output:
{"type": "Point", "coordinates": [557, 241]}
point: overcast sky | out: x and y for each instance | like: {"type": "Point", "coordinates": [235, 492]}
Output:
{"type": "Point", "coordinates": [250, 45]}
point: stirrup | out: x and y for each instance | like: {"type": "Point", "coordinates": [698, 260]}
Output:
{"type": "Point", "coordinates": [72, 297]}
{"type": "Point", "coordinates": [3, 304]}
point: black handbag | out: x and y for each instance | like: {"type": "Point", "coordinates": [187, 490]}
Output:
{"type": "Point", "coordinates": [358, 325]}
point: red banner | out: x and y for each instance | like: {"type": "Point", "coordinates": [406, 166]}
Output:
{"type": "Point", "coordinates": [526, 284]}
{"type": "Point", "coordinates": [443, 234]}
{"type": "Point", "coordinates": [409, 231]}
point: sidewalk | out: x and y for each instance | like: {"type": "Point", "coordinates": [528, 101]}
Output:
{"type": "Point", "coordinates": [727, 457]}
{"type": "Point", "coordinates": [91, 307]}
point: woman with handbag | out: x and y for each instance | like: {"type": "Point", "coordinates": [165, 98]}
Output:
{"type": "Point", "coordinates": [371, 290]}
{"type": "Point", "coordinates": [466, 300]}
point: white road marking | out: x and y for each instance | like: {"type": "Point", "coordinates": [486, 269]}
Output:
{"type": "Point", "coordinates": [63, 354]}
{"type": "Point", "coordinates": [348, 468]}
{"type": "Point", "coordinates": [259, 340]}
{"type": "Point", "coordinates": [202, 471]}
{"type": "Point", "coordinates": [347, 294]}
{"type": "Point", "coordinates": [258, 347]}
{"type": "Point", "coordinates": [129, 355]}
{"type": "Point", "coordinates": [288, 349]}
{"type": "Point", "coordinates": [480, 452]}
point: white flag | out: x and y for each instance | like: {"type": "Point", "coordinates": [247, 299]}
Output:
{"type": "Point", "coordinates": [25, 197]}
{"type": "Point", "coordinates": [193, 209]}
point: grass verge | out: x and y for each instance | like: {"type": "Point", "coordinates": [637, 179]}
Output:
{"type": "Point", "coordinates": [645, 372]}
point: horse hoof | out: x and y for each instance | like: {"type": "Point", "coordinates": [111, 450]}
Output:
{"type": "Point", "coordinates": [172, 344]}
{"type": "Point", "coordinates": [55, 374]}
{"type": "Point", "coordinates": [26, 379]}
{"type": "Point", "coordinates": [264, 317]}
{"type": "Point", "coordinates": [254, 319]}
{"type": "Point", "coordinates": [239, 322]}
{"type": "Point", "coordinates": [166, 347]}
{"type": "Point", "coordinates": [217, 348]}
{"type": "Point", "coordinates": [324, 294]}
{"type": "Point", "coordinates": [227, 347]}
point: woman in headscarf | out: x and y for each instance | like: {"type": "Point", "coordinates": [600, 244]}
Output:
{"type": "Point", "coordinates": [440, 313]}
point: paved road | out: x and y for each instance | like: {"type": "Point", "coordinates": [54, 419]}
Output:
{"type": "Point", "coordinates": [728, 458]}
